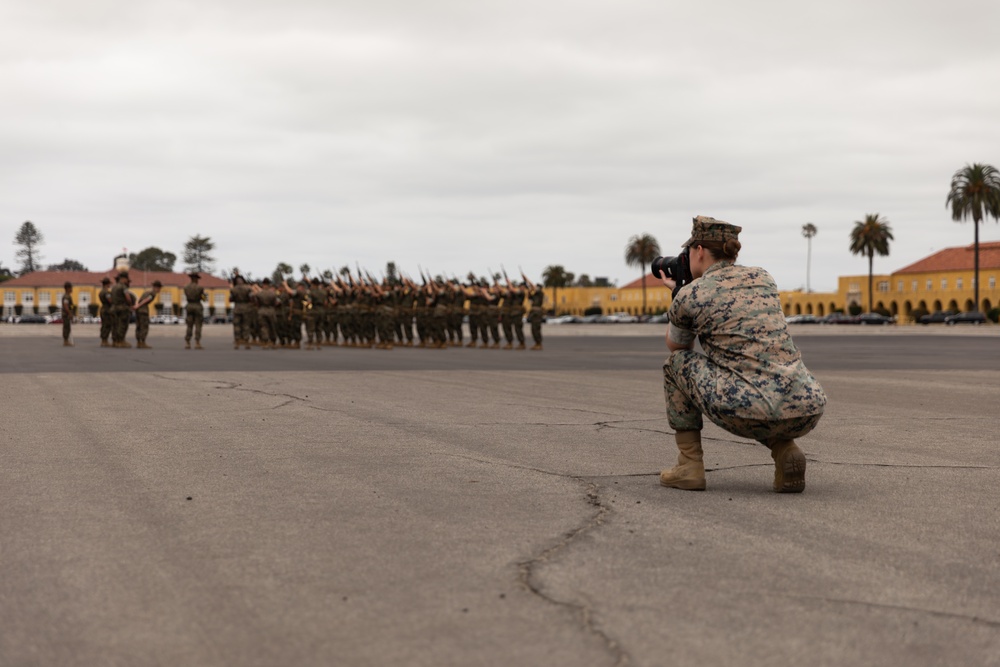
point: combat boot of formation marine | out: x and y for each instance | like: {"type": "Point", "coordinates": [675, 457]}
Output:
{"type": "Point", "coordinates": [689, 473]}
{"type": "Point", "coordinates": [789, 467]}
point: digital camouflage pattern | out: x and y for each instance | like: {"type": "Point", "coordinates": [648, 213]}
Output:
{"type": "Point", "coordinates": [750, 380]}
{"type": "Point", "coordinates": [705, 228]}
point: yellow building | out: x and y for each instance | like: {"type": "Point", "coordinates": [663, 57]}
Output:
{"type": "Point", "coordinates": [41, 292]}
{"type": "Point", "coordinates": [942, 281]}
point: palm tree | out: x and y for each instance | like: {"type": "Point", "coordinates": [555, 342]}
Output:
{"type": "Point", "coordinates": [871, 237]}
{"type": "Point", "coordinates": [808, 231]}
{"type": "Point", "coordinates": [975, 193]}
{"type": "Point", "coordinates": [640, 251]}
{"type": "Point", "coordinates": [555, 276]}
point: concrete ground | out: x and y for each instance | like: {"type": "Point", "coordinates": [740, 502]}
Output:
{"type": "Point", "coordinates": [479, 507]}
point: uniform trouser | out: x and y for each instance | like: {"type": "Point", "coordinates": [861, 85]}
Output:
{"type": "Point", "coordinates": [141, 326]}
{"type": "Point", "coordinates": [506, 322]}
{"type": "Point", "coordinates": [120, 318]}
{"type": "Point", "coordinates": [241, 324]}
{"type": "Point", "coordinates": [107, 320]}
{"type": "Point", "coordinates": [194, 319]}
{"type": "Point", "coordinates": [493, 320]}
{"type": "Point", "coordinates": [474, 326]}
{"type": "Point", "coordinates": [422, 320]}
{"type": "Point", "coordinates": [268, 327]}
{"type": "Point", "coordinates": [691, 384]}
{"type": "Point", "coordinates": [330, 326]}
{"type": "Point", "coordinates": [535, 317]}
{"type": "Point", "coordinates": [517, 324]}
{"type": "Point", "coordinates": [455, 324]}
{"type": "Point", "coordinates": [438, 324]}
{"type": "Point", "coordinates": [66, 326]}
{"type": "Point", "coordinates": [384, 322]}
{"type": "Point", "coordinates": [295, 326]}
{"type": "Point", "coordinates": [314, 326]}
{"type": "Point", "coordinates": [404, 327]}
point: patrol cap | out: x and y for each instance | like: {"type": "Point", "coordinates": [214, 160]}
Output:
{"type": "Point", "coordinates": [710, 229]}
{"type": "Point", "coordinates": [157, 283]}
{"type": "Point", "coordinates": [123, 274]}
{"type": "Point", "coordinates": [194, 275]}
{"type": "Point", "coordinates": [265, 281]}
{"type": "Point", "coordinates": [105, 280]}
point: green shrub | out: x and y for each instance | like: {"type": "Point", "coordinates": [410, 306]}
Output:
{"type": "Point", "coordinates": [854, 309]}
{"type": "Point", "coordinates": [917, 313]}
{"type": "Point", "coordinates": [593, 310]}
{"type": "Point", "coordinates": [994, 315]}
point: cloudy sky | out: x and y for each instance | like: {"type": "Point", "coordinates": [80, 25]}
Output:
{"type": "Point", "coordinates": [465, 134]}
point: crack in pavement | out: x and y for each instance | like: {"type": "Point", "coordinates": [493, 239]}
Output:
{"type": "Point", "coordinates": [235, 386]}
{"type": "Point", "coordinates": [527, 570]}
{"type": "Point", "coordinates": [893, 607]}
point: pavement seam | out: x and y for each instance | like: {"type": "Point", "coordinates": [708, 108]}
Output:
{"type": "Point", "coordinates": [527, 570]}
{"type": "Point", "coordinates": [895, 607]}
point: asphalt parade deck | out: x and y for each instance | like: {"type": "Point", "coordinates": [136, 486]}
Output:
{"type": "Point", "coordinates": [482, 507]}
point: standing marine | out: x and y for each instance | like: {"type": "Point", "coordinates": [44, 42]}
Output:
{"type": "Point", "coordinates": [195, 294]}
{"type": "Point", "coordinates": [141, 309]}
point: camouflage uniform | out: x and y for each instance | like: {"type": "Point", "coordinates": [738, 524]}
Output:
{"type": "Point", "coordinates": [242, 308]}
{"type": "Point", "coordinates": [267, 299]}
{"type": "Point", "coordinates": [751, 380]}
{"type": "Point", "coordinates": [121, 309]}
{"type": "Point", "coordinates": [104, 296]}
{"type": "Point", "coordinates": [194, 293]}
{"type": "Point", "coordinates": [68, 308]}
{"type": "Point", "coordinates": [537, 314]}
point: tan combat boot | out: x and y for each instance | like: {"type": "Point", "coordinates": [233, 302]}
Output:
{"type": "Point", "coordinates": [66, 343]}
{"type": "Point", "coordinates": [197, 345]}
{"type": "Point", "coordinates": [689, 473]}
{"type": "Point", "coordinates": [789, 467]}
{"type": "Point", "coordinates": [536, 346]}
{"type": "Point", "coordinates": [125, 343]}
{"type": "Point", "coordinates": [187, 345]}
{"type": "Point", "coordinates": [521, 346]}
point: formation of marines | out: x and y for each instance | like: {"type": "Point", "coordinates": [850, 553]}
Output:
{"type": "Point", "coordinates": [364, 312]}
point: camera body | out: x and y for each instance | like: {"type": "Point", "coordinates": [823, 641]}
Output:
{"type": "Point", "coordinates": [676, 268]}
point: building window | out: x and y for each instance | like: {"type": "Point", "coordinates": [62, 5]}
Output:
{"type": "Point", "coordinates": [27, 297]}
{"type": "Point", "coordinates": [944, 283]}
{"type": "Point", "coordinates": [883, 286]}
{"type": "Point", "coordinates": [9, 296]}
{"type": "Point", "coordinates": [930, 284]}
{"type": "Point", "coordinates": [899, 286]}
{"type": "Point", "coordinates": [958, 283]}
{"type": "Point", "coordinates": [993, 282]}
{"type": "Point", "coordinates": [613, 297]}
{"type": "Point", "coordinates": [220, 300]}
{"type": "Point", "coordinates": [914, 285]}
{"type": "Point", "coordinates": [855, 287]}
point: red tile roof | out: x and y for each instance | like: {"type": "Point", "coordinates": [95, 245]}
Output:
{"type": "Point", "coordinates": [650, 281]}
{"type": "Point", "coordinates": [138, 279]}
{"type": "Point", "coordinates": [957, 259]}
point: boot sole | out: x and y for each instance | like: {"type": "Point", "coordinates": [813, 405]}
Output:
{"type": "Point", "coordinates": [790, 474]}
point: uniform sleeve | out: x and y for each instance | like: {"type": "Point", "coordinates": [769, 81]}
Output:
{"type": "Point", "coordinates": [681, 327]}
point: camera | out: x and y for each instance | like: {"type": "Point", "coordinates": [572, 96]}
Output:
{"type": "Point", "coordinates": [676, 268]}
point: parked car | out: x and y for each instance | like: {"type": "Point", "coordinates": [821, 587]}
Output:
{"type": "Point", "coordinates": [874, 318]}
{"type": "Point", "coordinates": [936, 318]}
{"type": "Point", "coordinates": [966, 318]}
{"type": "Point", "coordinates": [30, 319]}
{"type": "Point", "coordinates": [839, 318]}
{"type": "Point", "coordinates": [562, 319]}
{"type": "Point", "coordinates": [621, 317]}
{"type": "Point", "coordinates": [803, 319]}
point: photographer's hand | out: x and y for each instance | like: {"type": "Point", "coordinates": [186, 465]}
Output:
{"type": "Point", "coordinates": [668, 282]}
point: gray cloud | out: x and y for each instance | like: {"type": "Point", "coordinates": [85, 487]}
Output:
{"type": "Point", "coordinates": [461, 135]}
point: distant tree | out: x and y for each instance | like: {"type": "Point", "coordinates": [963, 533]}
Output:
{"type": "Point", "coordinates": [975, 193]}
{"type": "Point", "coordinates": [555, 276]}
{"type": "Point", "coordinates": [391, 273]}
{"type": "Point", "coordinates": [67, 265]}
{"type": "Point", "coordinates": [584, 281]}
{"type": "Point", "coordinates": [809, 231]}
{"type": "Point", "coordinates": [640, 251]}
{"type": "Point", "coordinates": [281, 271]}
{"type": "Point", "coordinates": [29, 238]}
{"type": "Point", "coordinates": [5, 273]}
{"type": "Point", "coordinates": [152, 259]}
{"type": "Point", "coordinates": [197, 254]}
{"type": "Point", "coordinates": [871, 237]}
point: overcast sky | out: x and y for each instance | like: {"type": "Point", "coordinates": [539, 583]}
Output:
{"type": "Point", "coordinates": [464, 134]}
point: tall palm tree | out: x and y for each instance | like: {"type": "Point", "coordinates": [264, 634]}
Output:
{"type": "Point", "coordinates": [871, 237]}
{"type": "Point", "coordinates": [640, 251]}
{"type": "Point", "coordinates": [808, 231]}
{"type": "Point", "coordinates": [555, 276]}
{"type": "Point", "coordinates": [975, 193]}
